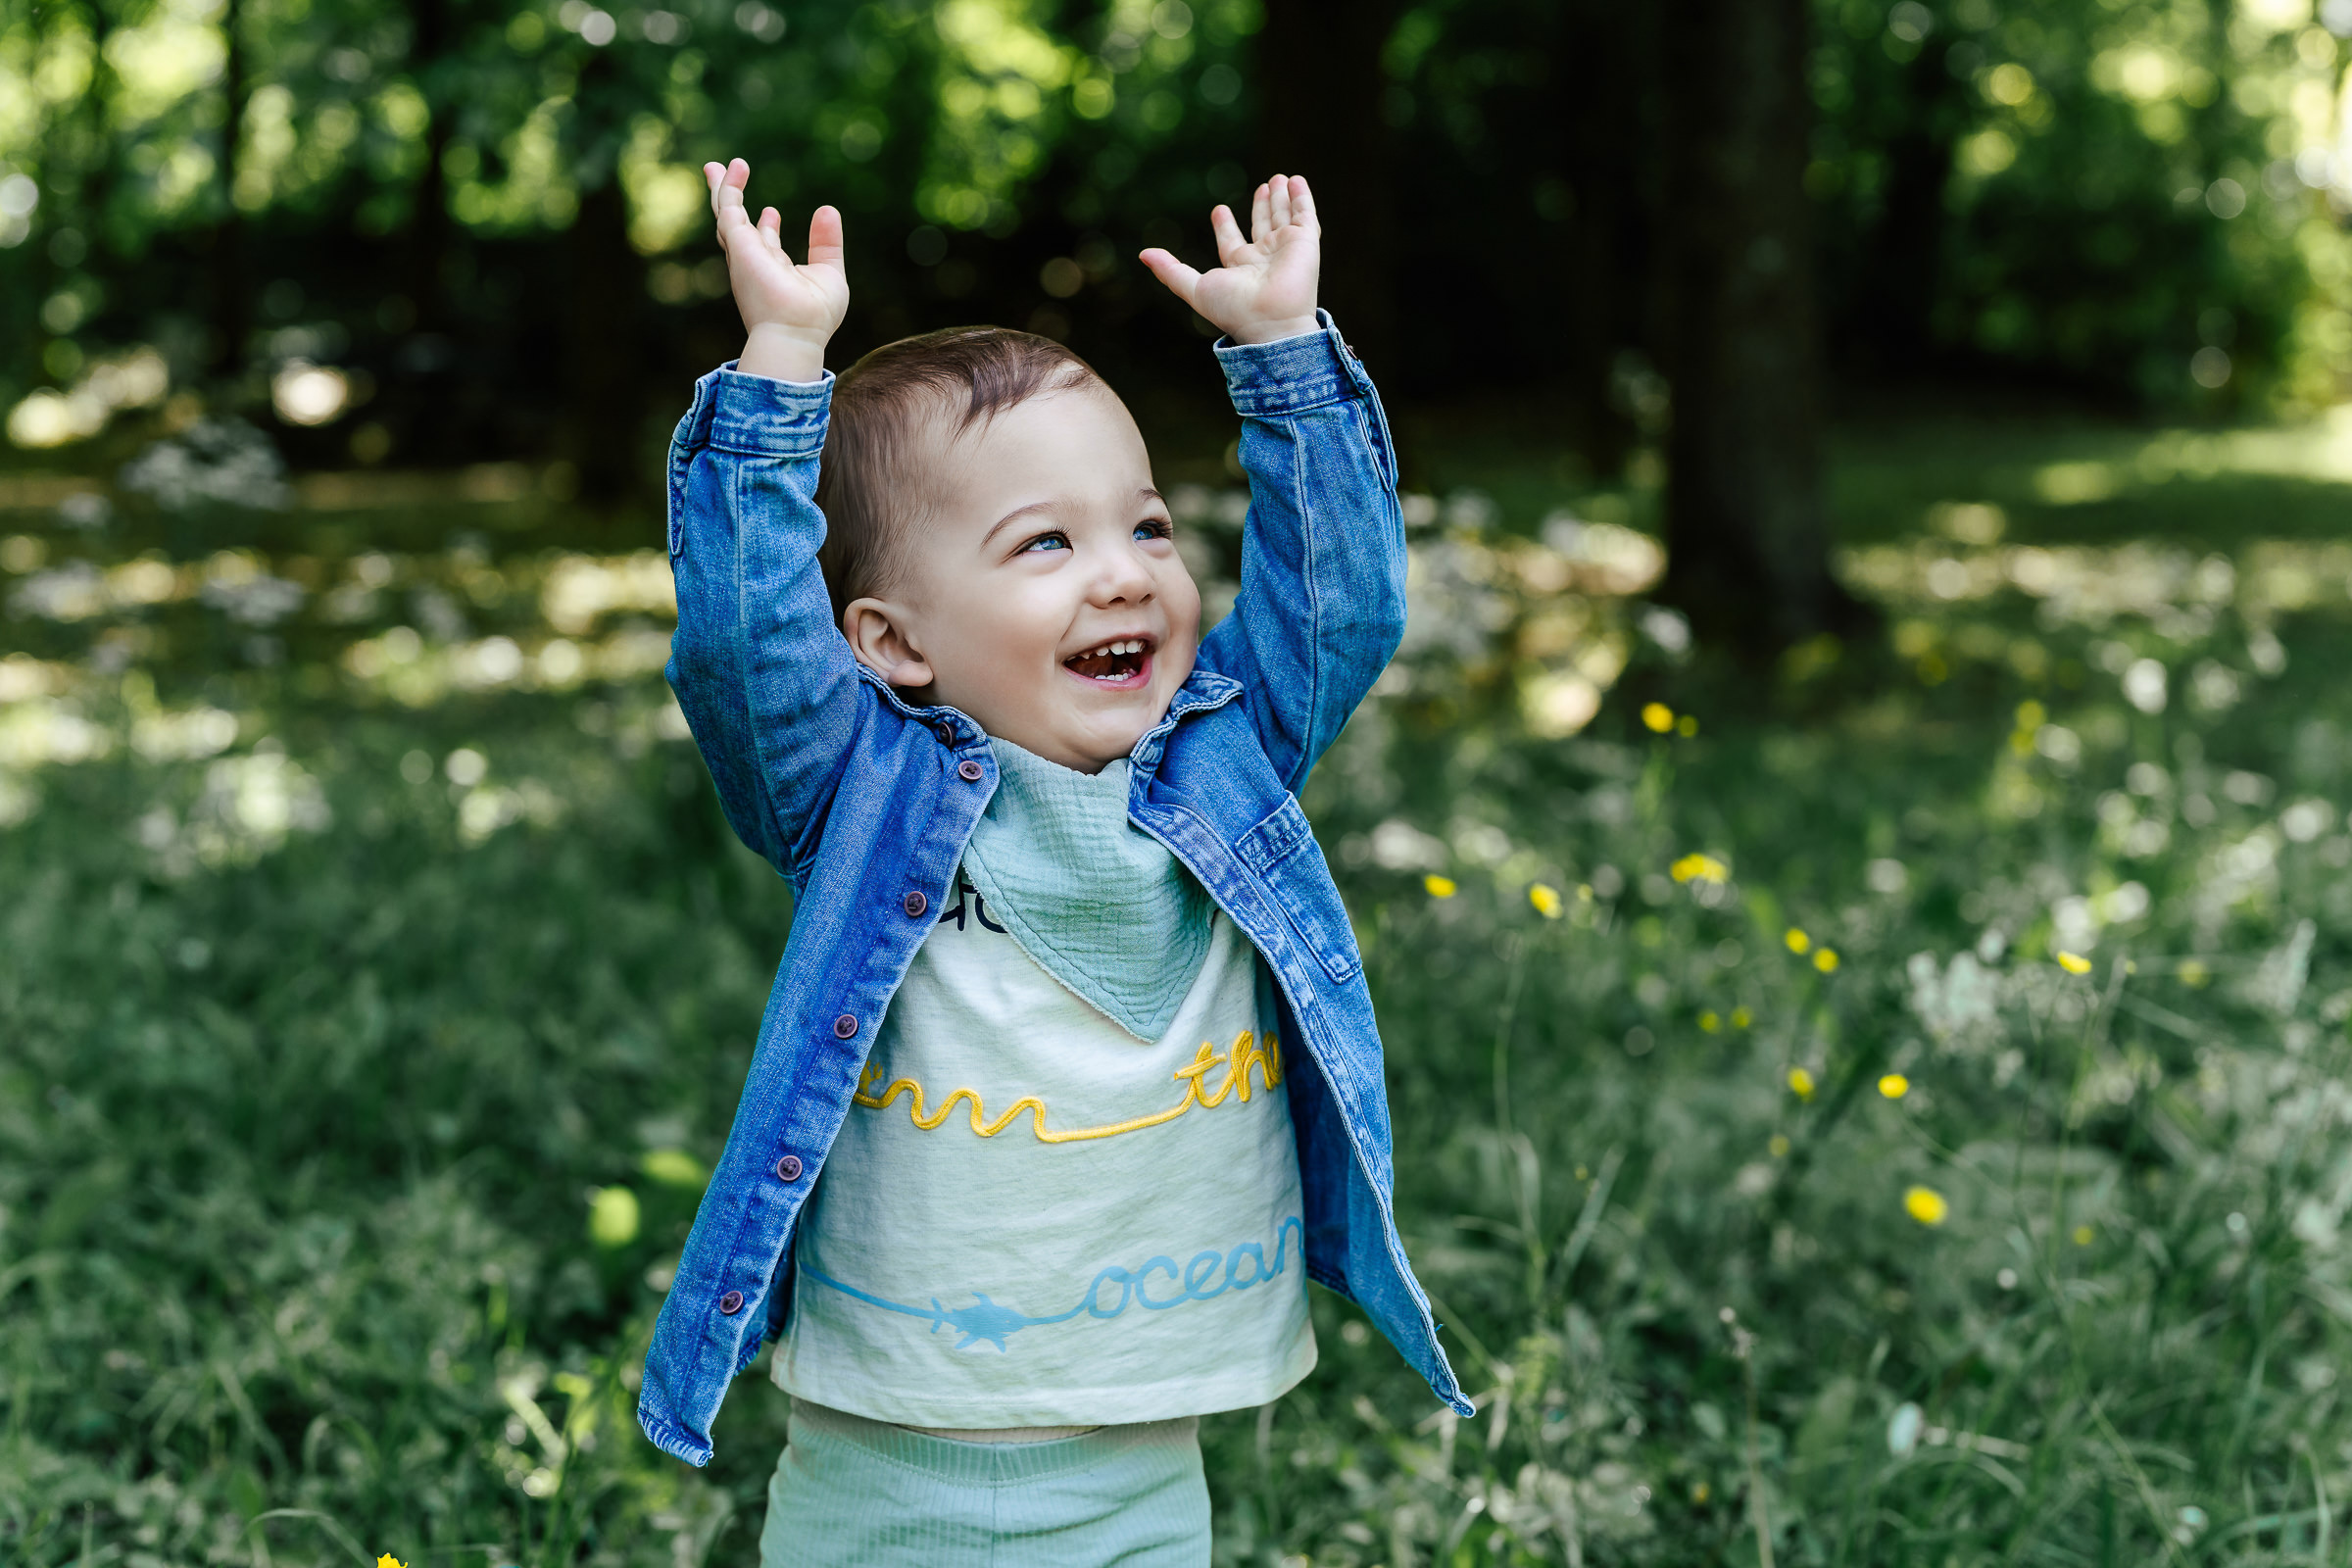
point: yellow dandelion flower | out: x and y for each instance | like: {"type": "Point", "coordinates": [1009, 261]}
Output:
{"type": "Point", "coordinates": [1741, 1017]}
{"type": "Point", "coordinates": [1658, 716]}
{"type": "Point", "coordinates": [1711, 1021]}
{"type": "Point", "coordinates": [1801, 1082]}
{"type": "Point", "coordinates": [1546, 899]}
{"type": "Point", "coordinates": [387, 1560]}
{"type": "Point", "coordinates": [1696, 867]}
{"type": "Point", "coordinates": [1440, 886]}
{"type": "Point", "coordinates": [1687, 725]}
{"type": "Point", "coordinates": [1779, 1146]}
{"type": "Point", "coordinates": [1798, 941]}
{"type": "Point", "coordinates": [1894, 1085]}
{"type": "Point", "coordinates": [1925, 1204]}
{"type": "Point", "coordinates": [1825, 959]}
{"type": "Point", "coordinates": [2074, 964]}
{"type": "Point", "coordinates": [2083, 1235]}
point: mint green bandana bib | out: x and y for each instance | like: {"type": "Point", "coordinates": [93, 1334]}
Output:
{"type": "Point", "coordinates": [1100, 904]}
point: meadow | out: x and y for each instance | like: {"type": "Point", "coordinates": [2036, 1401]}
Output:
{"type": "Point", "coordinates": [1883, 1109]}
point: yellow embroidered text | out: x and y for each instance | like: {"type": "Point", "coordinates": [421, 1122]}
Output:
{"type": "Point", "coordinates": [1249, 1050]}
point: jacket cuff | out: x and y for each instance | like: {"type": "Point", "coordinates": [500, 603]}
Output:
{"type": "Point", "coordinates": [671, 1438]}
{"type": "Point", "coordinates": [756, 414]}
{"type": "Point", "coordinates": [1292, 374]}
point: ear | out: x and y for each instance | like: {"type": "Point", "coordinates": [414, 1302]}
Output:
{"type": "Point", "coordinates": [879, 635]}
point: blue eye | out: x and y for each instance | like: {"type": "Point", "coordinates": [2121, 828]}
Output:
{"type": "Point", "coordinates": [1154, 528]}
{"type": "Point", "coordinates": [1046, 541]}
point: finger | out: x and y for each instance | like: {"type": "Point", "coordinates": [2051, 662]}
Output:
{"type": "Point", "coordinates": [1303, 206]}
{"type": "Point", "coordinates": [824, 237]}
{"type": "Point", "coordinates": [739, 172]}
{"type": "Point", "coordinates": [1181, 279]}
{"type": "Point", "coordinates": [1261, 215]}
{"type": "Point", "coordinates": [1278, 200]}
{"type": "Point", "coordinates": [1230, 244]}
{"type": "Point", "coordinates": [726, 193]}
{"type": "Point", "coordinates": [771, 231]}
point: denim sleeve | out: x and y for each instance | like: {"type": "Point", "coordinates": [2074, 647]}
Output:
{"type": "Point", "coordinates": [1322, 600]}
{"type": "Point", "coordinates": [766, 680]}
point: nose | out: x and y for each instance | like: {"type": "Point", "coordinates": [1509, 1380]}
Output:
{"type": "Point", "coordinates": [1122, 577]}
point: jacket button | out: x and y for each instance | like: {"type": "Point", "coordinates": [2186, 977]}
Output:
{"type": "Point", "coordinates": [788, 1169]}
{"type": "Point", "coordinates": [916, 905]}
{"type": "Point", "coordinates": [946, 734]}
{"type": "Point", "coordinates": [969, 771]}
{"type": "Point", "coordinates": [731, 1303]}
{"type": "Point", "coordinates": [845, 1025]}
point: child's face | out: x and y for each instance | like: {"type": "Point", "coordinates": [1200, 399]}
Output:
{"type": "Point", "coordinates": [1046, 546]}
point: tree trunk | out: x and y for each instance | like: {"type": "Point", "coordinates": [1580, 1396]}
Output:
{"type": "Point", "coordinates": [436, 421]}
{"type": "Point", "coordinates": [605, 394]}
{"type": "Point", "coordinates": [1747, 538]}
{"type": "Point", "coordinates": [1902, 258]}
{"type": "Point", "coordinates": [1324, 120]}
{"type": "Point", "coordinates": [1600, 154]}
{"type": "Point", "coordinates": [100, 146]}
{"type": "Point", "coordinates": [231, 320]}
{"type": "Point", "coordinates": [428, 215]}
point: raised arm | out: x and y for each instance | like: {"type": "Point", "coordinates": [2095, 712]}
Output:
{"type": "Point", "coordinates": [1322, 601]}
{"type": "Point", "coordinates": [766, 681]}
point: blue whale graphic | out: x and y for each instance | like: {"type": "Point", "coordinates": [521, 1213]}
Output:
{"type": "Point", "coordinates": [1210, 1273]}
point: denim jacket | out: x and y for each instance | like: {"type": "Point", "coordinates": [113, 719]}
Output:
{"type": "Point", "coordinates": [864, 803]}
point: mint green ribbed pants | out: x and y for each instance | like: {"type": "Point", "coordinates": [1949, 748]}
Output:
{"type": "Point", "coordinates": [853, 1492]}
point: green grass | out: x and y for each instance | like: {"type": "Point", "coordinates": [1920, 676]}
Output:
{"type": "Point", "coordinates": [320, 1050]}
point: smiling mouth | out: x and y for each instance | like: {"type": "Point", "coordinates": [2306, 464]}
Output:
{"type": "Point", "coordinates": [1113, 664]}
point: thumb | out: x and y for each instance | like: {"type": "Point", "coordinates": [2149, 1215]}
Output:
{"type": "Point", "coordinates": [1181, 280]}
{"type": "Point", "coordinates": [824, 237]}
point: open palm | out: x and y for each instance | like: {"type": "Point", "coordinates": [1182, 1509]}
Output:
{"type": "Point", "coordinates": [807, 301]}
{"type": "Point", "coordinates": [1265, 286]}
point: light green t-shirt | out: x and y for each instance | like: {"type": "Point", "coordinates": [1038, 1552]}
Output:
{"type": "Point", "coordinates": [1035, 1216]}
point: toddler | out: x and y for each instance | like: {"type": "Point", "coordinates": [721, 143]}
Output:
{"type": "Point", "coordinates": [1071, 1022]}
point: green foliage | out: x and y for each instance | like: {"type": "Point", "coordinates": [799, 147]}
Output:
{"type": "Point", "coordinates": [2089, 189]}
{"type": "Point", "coordinates": [2139, 201]}
{"type": "Point", "coordinates": [377, 976]}
{"type": "Point", "coordinates": [359, 123]}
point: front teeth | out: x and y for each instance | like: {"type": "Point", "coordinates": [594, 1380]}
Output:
{"type": "Point", "coordinates": [1131, 645]}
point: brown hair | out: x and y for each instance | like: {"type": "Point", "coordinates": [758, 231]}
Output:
{"type": "Point", "coordinates": [867, 483]}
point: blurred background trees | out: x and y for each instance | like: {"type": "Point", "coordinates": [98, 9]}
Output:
{"type": "Point", "coordinates": [422, 232]}
{"type": "Point", "coordinates": [1888, 1112]}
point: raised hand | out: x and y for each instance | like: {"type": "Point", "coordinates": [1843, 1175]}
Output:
{"type": "Point", "coordinates": [1265, 288]}
{"type": "Point", "coordinates": [789, 311]}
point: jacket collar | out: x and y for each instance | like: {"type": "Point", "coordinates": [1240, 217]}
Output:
{"type": "Point", "coordinates": [1203, 690]}
{"type": "Point", "coordinates": [959, 725]}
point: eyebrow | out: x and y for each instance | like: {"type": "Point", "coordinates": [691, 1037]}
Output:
{"type": "Point", "coordinates": [1146, 493]}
